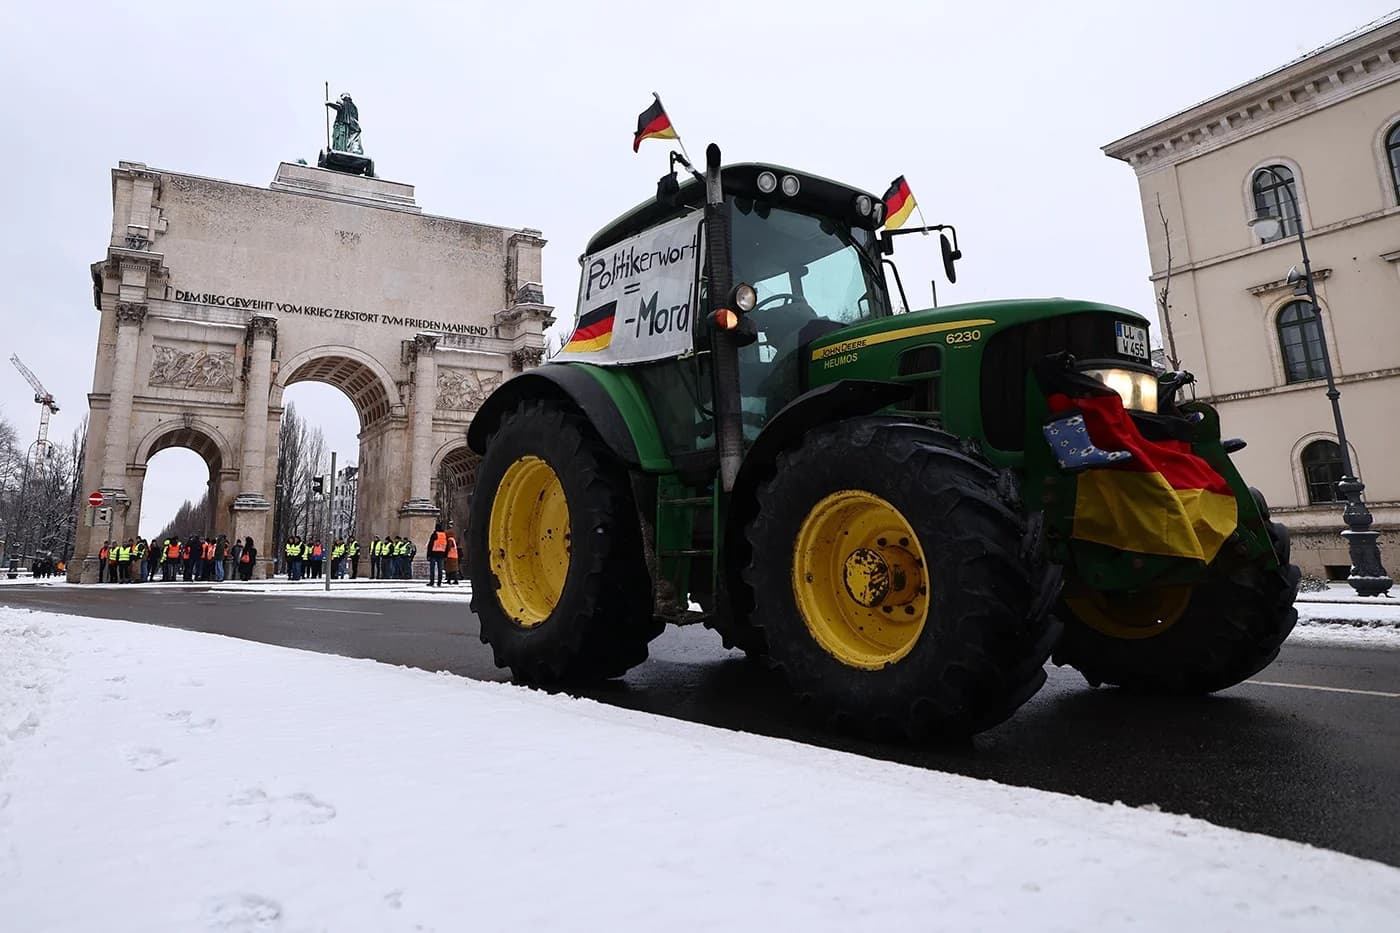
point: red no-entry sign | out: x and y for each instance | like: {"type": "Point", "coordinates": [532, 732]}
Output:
{"type": "Point", "coordinates": [95, 500]}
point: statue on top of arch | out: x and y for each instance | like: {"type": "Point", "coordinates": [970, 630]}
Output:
{"type": "Point", "coordinates": [345, 153]}
{"type": "Point", "coordinates": [345, 132]}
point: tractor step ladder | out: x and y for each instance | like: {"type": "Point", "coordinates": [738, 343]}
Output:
{"type": "Point", "coordinates": [665, 501]}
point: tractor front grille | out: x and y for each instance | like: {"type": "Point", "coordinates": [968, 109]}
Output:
{"type": "Point", "coordinates": [1006, 363]}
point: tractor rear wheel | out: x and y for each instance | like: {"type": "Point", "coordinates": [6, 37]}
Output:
{"type": "Point", "coordinates": [559, 578]}
{"type": "Point", "coordinates": [1185, 639]}
{"type": "Point", "coordinates": [896, 585]}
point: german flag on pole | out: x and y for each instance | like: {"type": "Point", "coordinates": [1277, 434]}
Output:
{"type": "Point", "coordinates": [594, 330]}
{"type": "Point", "coordinates": [899, 204]}
{"type": "Point", "coordinates": [1165, 500]}
{"type": "Point", "coordinates": [653, 123]}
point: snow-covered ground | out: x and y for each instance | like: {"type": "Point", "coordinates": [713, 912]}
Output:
{"type": "Point", "coordinates": [154, 779]}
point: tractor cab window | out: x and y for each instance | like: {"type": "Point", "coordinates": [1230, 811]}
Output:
{"type": "Point", "coordinates": [813, 275]}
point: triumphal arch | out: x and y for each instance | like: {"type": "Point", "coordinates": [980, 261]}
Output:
{"type": "Point", "coordinates": [215, 296]}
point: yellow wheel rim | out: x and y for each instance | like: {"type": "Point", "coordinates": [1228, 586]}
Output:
{"type": "Point", "coordinates": [1130, 616]}
{"type": "Point", "coordinates": [529, 541]}
{"type": "Point", "coordinates": [859, 579]}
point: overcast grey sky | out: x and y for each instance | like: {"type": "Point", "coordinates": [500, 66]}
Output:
{"type": "Point", "coordinates": [521, 113]}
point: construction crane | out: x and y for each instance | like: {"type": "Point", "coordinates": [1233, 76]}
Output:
{"type": "Point", "coordinates": [42, 397]}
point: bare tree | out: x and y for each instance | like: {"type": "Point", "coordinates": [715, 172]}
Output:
{"type": "Point", "coordinates": [301, 456]}
{"type": "Point", "coordinates": [191, 521]}
{"type": "Point", "coordinates": [1164, 293]}
{"type": "Point", "coordinates": [38, 494]}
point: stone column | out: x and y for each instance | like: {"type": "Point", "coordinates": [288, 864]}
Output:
{"type": "Point", "coordinates": [114, 452]}
{"type": "Point", "coordinates": [419, 513]}
{"type": "Point", "coordinates": [251, 507]}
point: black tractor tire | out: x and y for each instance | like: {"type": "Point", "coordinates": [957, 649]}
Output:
{"type": "Point", "coordinates": [602, 622]}
{"type": "Point", "coordinates": [1232, 628]}
{"type": "Point", "coordinates": [982, 649]}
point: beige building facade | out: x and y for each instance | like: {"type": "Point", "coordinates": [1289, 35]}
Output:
{"type": "Point", "coordinates": [1324, 132]}
{"type": "Point", "coordinates": [215, 297]}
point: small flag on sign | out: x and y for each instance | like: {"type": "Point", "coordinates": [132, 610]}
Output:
{"type": "Point", "coordinates": [653, 123]}
{"type": "Point", "coordinates": [899, 204]}
{"type": "Point", "coordinates": [594, 330]}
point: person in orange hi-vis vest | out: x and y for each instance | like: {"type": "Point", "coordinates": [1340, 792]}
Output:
{"type": "Point", "coordinates": [437, 554]}
{"type": "Point", "coordinates": [453, 565]}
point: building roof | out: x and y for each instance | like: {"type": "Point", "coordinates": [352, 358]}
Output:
{"type": "Point", "coordinates": [1362, 58]}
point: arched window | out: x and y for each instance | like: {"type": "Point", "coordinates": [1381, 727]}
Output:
{"type": "Point", "coordinates": [1322, 470]}
{"type": "Point", "coordinates": [1276, 195]}
{"type": "Point", "coordinates": [1392, 152]}
{"type": "Point", "coordinates": [1300, 341]}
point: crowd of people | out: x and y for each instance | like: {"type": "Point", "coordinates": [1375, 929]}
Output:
{"type": "Point", "coordinates": [390, 558]}
{"type": "Point", "coordinates": [216, 559]}
{"type": "Point", "coordinates": [194, 559]}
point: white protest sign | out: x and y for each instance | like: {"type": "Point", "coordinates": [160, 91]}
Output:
{"type": "Point", "coordinates": [637, 298]}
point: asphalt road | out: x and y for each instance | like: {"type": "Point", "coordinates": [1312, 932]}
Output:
{"type": "Point", "coordinates": [1296, 757]}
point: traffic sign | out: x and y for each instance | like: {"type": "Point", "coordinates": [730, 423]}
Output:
{"type": "Point", "coordinates": [96, 499]}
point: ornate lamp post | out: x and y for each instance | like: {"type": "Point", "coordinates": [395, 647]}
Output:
{"type": "Point", "coordinates": [1367, 576]}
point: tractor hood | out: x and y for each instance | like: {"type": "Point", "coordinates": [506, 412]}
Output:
{"type": "Point", "coordinates": [984, 317]}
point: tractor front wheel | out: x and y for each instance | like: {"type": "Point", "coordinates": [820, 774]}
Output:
{"type": "Point", "coordinates": [559, 579]}
{"type": "Point", "coordinates": [1185, 639]}
{"type": "Point", "coordinates": [895, 585]}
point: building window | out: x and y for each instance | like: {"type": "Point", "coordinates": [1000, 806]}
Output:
{"type": "Point", "coordinates": [1392, 152]}
{"type": "Point", "coordinates": [1300, 341]}
{"type": "Point", "coordinates": [1276, 195]}
{"type": "Point", "coordinates": [1322, 470]}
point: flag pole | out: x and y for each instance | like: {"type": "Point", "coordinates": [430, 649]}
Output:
{"type": "Point", "coordinates": [679, 141]}
{"type": "Point", "coordinates": [922, 219]}
{"type": "Point", "coordinates": [328, 118]}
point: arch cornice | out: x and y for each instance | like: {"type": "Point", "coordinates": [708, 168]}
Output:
{"type": "Point", "coordinates": [288, 369]}
{"type": "Point", "coordinates": [178, 425]}
{"type": "Point", "coordinates": [452, 446]}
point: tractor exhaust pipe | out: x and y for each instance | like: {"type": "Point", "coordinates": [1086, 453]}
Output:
{"type": "Point", "coordinates": [729, 437]}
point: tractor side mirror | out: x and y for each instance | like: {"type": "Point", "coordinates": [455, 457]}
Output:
{"type": "Point", "coordinates": [667, 189]}
{"type": "Point", "coordinates": [951, 254]}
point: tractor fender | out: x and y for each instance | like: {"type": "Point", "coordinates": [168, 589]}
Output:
{"type": "Point", "coordinates": [611, 401]}
{"type": "Point", "coordinates": [834, 401]}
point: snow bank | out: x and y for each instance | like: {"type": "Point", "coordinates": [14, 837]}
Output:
{"type": "Point", "coordinates": [1376, 613]}
{"type": "Point", "coordinates": [154, 779]}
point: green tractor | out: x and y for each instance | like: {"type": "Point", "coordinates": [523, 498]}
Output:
{"type": "Point", "coordinates": [904, 514]}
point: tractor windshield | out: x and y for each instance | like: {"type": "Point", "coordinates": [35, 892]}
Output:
{"type": "Point", "coordinates": [813, 275]}
{"type": "Point", "coordinates": [813, 265]}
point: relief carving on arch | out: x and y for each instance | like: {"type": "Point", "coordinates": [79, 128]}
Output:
{"type": "Point", "coordinates": [464, 389]}
{"type": "Point", "coordinates": [192, 369]}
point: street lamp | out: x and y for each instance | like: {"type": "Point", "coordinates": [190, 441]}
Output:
{"type": "Point", "coordinates": [1367, 576]}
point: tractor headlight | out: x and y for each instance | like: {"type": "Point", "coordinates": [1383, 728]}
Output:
{"type": "Point", "coordinates": [767, 182]}
{"type": "Point", "coordinates": [1137, 390]}
{"type": "Point", "coordinates": [791, 185]}
{"type": "Point", "coordinates": [863, 205]}
{"type": "Point", "coordinates": [744, 297]}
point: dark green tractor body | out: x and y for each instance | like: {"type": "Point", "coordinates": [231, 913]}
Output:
{"type": "Point", "coordinates": [847, 419]}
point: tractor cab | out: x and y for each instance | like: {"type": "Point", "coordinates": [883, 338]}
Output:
{"type": "Point", "coordinates": [806, 245]}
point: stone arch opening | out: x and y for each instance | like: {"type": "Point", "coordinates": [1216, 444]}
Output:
{"type": "Point", "coordinates": [454, 478]}
{"type": "Point", "coordinates": [370, 493]}
{"type": "Point", "coordinates": [207, 443]}
{"type": "Point", "coordinates": [364, 381]}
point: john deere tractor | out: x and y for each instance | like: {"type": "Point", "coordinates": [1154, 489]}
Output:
{"type": "Point", "coordinates": [905, 514]}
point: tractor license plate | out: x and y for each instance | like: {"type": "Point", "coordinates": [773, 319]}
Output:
{"type": "Point", "coordinates": [1132, 341]}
